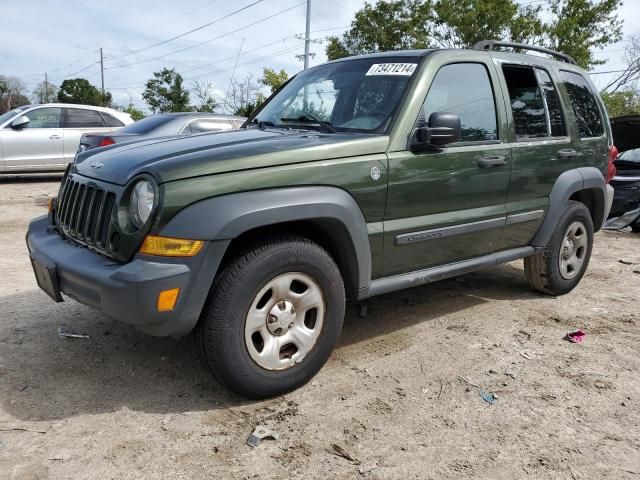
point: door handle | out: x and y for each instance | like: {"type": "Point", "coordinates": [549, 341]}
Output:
{"type": "Point", "coordinates": [55, 137]}
{"type": "Point", "coordinates": [492, 161]}
{"type": "Point", "coordinates": [567, 154]}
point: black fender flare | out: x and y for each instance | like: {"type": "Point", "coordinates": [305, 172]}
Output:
{"type": "Point", "coordinates": [228, 216]}
{"type": "Point", "coordinates": [567, 184]}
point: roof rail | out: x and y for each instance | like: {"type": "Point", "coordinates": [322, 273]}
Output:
{"type": "Point", "coordinates": [491, 44]}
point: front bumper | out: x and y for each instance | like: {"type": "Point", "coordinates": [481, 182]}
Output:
{"type": "Point", "coordinates": [128, 292]}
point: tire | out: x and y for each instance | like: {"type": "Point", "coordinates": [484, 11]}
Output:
{"type": "Point", "coordinates": [269, 288]}
{"type": "Point", "coordinates": [549, 272]}
{"type": "Point", "coordinates": [635, 228]}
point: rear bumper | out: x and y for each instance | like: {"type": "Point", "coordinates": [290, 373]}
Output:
{"type": "Point", "coordinates": [609, 199]}
{"type": "Point", "coordinates": [129, 292]}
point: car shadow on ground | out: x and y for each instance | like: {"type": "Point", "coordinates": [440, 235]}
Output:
{"type": "Point", "coordinates": [46, 377]}
{"type": "Point", "coordinates": [30, 178]}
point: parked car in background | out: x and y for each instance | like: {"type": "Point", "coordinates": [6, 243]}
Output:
{"type": "Point", "coordinates": [163, 125]}
{"type": "Point", "coordinates": [626, 200]}
{"type": "Point", "coordinates": [45, 138]}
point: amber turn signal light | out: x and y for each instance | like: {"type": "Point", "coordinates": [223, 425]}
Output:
{"type": "Point", "coordinates": [170, 247]}
{"type": "Point", "coordinates": [167, 299]}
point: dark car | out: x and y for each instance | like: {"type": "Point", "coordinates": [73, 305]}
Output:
{"type": "Point", "coordinates": [626, 199]}
{"type": "Point", "coordinates": [163, 125]}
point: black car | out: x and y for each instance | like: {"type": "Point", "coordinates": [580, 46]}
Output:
{"type": "Point", "coordinates": [626, 200]}
{"type": "Point", "coordinates": [162, 125]}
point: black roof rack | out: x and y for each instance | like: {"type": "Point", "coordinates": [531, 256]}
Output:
{"type": "Point", "coordinates": [491, 44]}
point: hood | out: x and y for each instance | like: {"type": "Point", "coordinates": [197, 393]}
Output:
{"type": "Point", "coordinates": [209, 153]}
{"type": "Point", "coordinates": [626, 132]}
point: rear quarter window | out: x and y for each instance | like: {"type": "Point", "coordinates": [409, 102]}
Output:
{"type": "Point", "coordinates": [584, 104]}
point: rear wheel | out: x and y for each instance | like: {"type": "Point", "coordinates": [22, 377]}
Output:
{"type": "Point", "coordinates": [274, 317]}
{"type": "Point", "coordinates": [562, 263]}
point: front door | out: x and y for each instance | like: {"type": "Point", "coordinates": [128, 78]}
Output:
{"type": "Point", "coordinates": [38, 146]}
{"type": "Point", "coordinates": [448, 204]}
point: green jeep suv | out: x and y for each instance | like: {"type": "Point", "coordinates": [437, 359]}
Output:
{"type": "Point", "coordinates": [358, 177]}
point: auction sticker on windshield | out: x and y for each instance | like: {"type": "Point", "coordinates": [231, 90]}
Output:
{"type": "Point", "coordinates": [406, 69]}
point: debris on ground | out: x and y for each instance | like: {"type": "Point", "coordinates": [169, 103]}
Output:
{"type": "Point", "coordinates": [65, 334]}
{"type": "Point", "coordinates": [363, 311]}
{"type": "Point", "coordinates": [338, 451]}
{"type": "Point", "coordinates": [259, 434]}
{"type": "Point", "coordinates": [510, 372]}
{"type": "Point", "coordinates": [626, 262]}
{"type": "Point", "coordinates": [488, 397]}
{"type": "Point", "coordinates": [20, 429]}
{"type": "Point", "coordinates": [577, 336]}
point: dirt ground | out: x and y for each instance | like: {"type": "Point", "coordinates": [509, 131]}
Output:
{"type": "Point", "coordinates": [123, 405]}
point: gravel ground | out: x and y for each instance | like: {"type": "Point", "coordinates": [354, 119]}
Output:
{"type": "Point", "coordinates": [400, 396]}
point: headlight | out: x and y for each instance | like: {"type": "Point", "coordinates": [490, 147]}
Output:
{"type": "Point", "coordinates": [141, 203]}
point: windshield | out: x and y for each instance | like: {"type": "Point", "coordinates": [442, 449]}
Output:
{"type": "Point", "coordinates": [147, 124]}
{"type": "Point", "coordinates": [353, 95]}
{"type": "Point", "coordinates": [6, 116]}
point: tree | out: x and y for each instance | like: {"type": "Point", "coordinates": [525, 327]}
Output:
{"type": "Point", "coordinates": [574, 27]}
{"type": "Point", "coordinates": [132, 111]}
{"type": "Point", "coordinates": [202, 91]}
{"type": "Point", "coordinates": [244, 97]}
{"type": "Point", "coordinates": [13, 93]}
{"type": "Point", "coordinates": [80, 91]}
{"type": "Point", "coordinates": [166, 93]}
{"type": "Point", "coordinates": [45, 92]}
{"type": "Point", "coordinates": [272, 79]}
{"type": "Point", "coordinates": [629, 76]}
{"type": "Point", "coordinates": [624, 102]}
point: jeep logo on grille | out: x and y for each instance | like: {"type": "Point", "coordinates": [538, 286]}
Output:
{"type": "Point", "coordinates": [97, 165]}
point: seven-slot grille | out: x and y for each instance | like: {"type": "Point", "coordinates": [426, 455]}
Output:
{"type": "Point", "coordinates": [84, 212]}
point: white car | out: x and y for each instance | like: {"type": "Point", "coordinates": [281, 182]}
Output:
{"type": "Point", "coordinates": [45, 138]}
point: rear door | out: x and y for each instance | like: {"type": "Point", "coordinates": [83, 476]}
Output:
{"type": "Point", "coordinates": [542, 147]}
{"type": "Point", "coordinates": [38, 146]}
{"type": "Point", "coordinates": [448, 204]}
{"type": "Point", "coordinates": [77, 121]}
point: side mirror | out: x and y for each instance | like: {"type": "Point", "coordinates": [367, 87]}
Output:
{"type": "Point", "coordinates": [443, 128]}
{"type": "Point", "coordinates": [21, 122]}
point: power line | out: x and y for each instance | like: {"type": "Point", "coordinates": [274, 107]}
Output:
{"type": "Point", "coordinates": [209, 40]}
{"type": "Point", "coordinates": [148, 47]}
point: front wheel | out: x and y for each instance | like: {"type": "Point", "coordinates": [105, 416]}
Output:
{"type": "Point", "coordinates": [562, 263]}
{"type": "Point", "coordinates": [274, 317]}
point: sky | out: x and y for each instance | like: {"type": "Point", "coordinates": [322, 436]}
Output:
{"type": "Point", "coordinates": [63, 39]}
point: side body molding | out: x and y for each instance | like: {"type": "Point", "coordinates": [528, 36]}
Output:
{"type": "Point", "coordinates": [570, 182]}
{"type": "Point", "coordinates": [228, 216]}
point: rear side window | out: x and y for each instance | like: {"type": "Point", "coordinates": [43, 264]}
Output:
{"type": "Point", "coordinates": [465, 89]}
{"type": "Point", "coordinates": [585, 105]}
{"type": "Point", "coordinates": [111, 120]}
{"type": "Point", "coordinates": [534, 103]}
{"type": "Point", "coordinates": [80, 118]}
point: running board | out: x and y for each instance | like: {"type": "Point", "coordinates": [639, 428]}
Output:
{"type": "Point", "coordinates": [433, 274]}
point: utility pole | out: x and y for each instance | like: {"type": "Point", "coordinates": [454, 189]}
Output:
{"type": "Point", "coordinates": [102, 72]}
{"type": "Point", "coordinates": [46, 88]}
{"type": "Point", "coordinates": [307, 40]}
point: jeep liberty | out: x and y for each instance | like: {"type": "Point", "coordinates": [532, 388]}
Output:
{"type": "Point", "coordinates": [356, 178]}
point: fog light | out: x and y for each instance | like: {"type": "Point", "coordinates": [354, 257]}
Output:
{"type": "Point", "coordinates": [167, 299]}
{"type": "Point", "coordinates": [170, 247]}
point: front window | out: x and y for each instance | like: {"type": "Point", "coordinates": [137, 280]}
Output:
{"type": "Point", "coordinates": [353, 95]}
{"type": "Point", "coordinates": [44, 117]}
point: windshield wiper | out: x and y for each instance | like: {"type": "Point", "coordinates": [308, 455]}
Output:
{"type": "Point", "coordinates": [311, 119]}
{"type": "Point", "coordinates": [262, 124]}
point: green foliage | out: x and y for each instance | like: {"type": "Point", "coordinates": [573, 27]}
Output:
{"type": "Point", "coordinates": [578, 26]}
{"type": "Point", "coordinates": [625, 102]}
{"type": "Point", "coordinates": [166, 93]}
{"type": "Point", "coordinates": [132, 111]}
{"type": "Point", "coordinates": [80, 91]}
{"type": "Point", "coordinates": [272, 79]}
{"type": "Point", "coordinates": [574, 27]}
{"type": "Point", "coordinates": [245, 110]}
